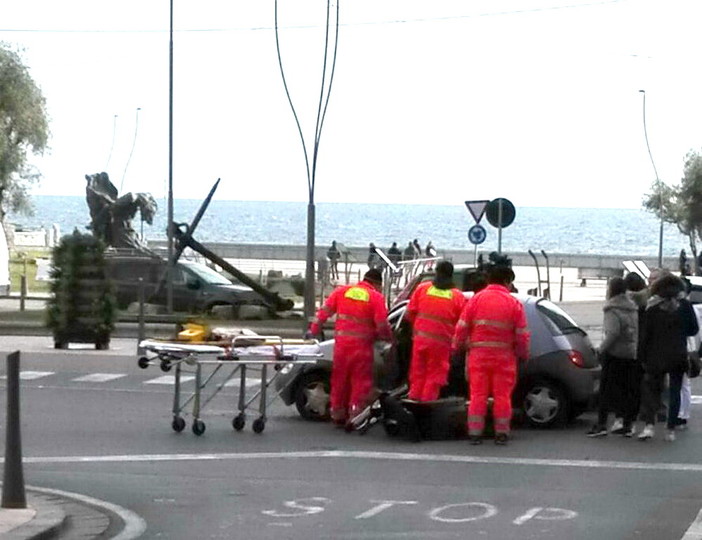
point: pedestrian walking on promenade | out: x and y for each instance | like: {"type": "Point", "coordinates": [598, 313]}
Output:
{"type": "Point", "coordinates": [333, 255]}
{"type": "Point", "coordinates": [433, 312]}
{"type": "Point", "coordinates": [417, 249]}
{"type": "Point", "coordinates": [493, 329]}
{"type": "Point", "coordinates": [669, 320]}
{"type": "Point", "coordinates": [361, 319]}
{"type": "Point", "coordinates": [394, 254]}
{"type": "Point", "coordinates": [408, 253]}
{"type": "Point", "coordinates": [620, 367]}
{"type": "Point", "coordinates": [374, 260]}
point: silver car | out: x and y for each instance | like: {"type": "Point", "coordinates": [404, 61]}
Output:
{"type": "Point", "coordinates": [558, 382]}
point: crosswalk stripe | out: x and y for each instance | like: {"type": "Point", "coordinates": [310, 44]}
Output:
{"type": "Point", "coordinates": [248, 383]}
{"type": "Point", "coordinates": [169, 379]}
{"type": "Point", "coordinates": [31, 375]}
{"type": "Point", "coordinates": [100, 377]}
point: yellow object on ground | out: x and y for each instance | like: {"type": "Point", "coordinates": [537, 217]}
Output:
{"type": "Point", "coordinates": [193, 332]}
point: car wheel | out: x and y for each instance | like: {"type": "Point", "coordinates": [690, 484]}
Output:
{"type": "Point", "coordinates": [312, 396]}
{"type": "Point", "coordinates": [544, 403]}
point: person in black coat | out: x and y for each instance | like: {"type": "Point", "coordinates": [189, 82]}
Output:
{"type": "Point", "coordinates": [668, 321]}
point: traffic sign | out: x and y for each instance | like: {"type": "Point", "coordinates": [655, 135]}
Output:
{"type": "Point", "coordinates": [477, 209]}
{"type": "Point", "coordinates": [500, 217]}
{"type": "Point", "coordinates": [477, 234]}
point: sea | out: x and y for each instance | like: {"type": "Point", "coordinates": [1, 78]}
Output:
{"type": "Point", "coordinates": [601, 231]}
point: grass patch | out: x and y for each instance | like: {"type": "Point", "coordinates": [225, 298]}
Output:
{"type": "Point", "coordinates": [24, 262]}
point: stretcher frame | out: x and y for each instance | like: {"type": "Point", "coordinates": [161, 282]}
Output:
{"type": "Point", "coordinates": [193, 357]}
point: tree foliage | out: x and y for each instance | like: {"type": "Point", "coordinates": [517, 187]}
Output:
{"type": "Point", "coordinates": [681, 204]}
{"type": "Point", "coordinates": [24, 128]}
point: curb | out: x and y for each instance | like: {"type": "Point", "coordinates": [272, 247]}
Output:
{"type": "Point", "coordinates": [50, 519]}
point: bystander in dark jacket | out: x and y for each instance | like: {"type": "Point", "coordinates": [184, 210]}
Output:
{"type": "Point", "coordinates": [669, 320]}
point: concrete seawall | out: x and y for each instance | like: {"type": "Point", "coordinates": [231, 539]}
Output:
{"type": "Point", "coordinates": [360, 254]}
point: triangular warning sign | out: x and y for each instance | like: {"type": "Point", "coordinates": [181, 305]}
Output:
{"type": "Point", "coordinates": [477, 209]}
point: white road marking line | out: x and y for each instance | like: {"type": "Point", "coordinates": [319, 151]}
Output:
{"type": "Point", "coordinates": [249, 382]}
{"type": "Point", "coordinates": [696, 400]}
{"type": "Point", "coordinates": [100, 377]}
{"type": "Point", "coordinates": [31, 375]}
{"type": "Point", "coordinates": [397, 456]}
{"type": "Point", "coordinates": [694, 531]}
{"type": "Point", "coordinates": [169, 379]}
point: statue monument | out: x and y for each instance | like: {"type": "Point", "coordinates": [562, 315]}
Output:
{"type": "Point", "coordinates": [111, 215]}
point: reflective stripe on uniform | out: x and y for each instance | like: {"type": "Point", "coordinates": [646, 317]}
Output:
{"type": "Point", "coordinates": [353, 318]}
{"type": "Point", "coordinates": [431, 335]}
{"type": "Point", "coordinates": [351, 333]}
{"type": "Point", "coordinates": [357, 293]}
{"type": "Point", "coordinates": [491, 344]}
{"type": "Point", "coordinates": [435, 318]}
{"type": "Point", "coordinates": [491, 322]}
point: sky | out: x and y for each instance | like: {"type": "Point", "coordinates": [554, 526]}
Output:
{"type": "Point", "coordinates": [431, 102]}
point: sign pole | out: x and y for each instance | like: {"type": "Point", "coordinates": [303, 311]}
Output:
{"type": "Point", "coordinates": [499, 229]}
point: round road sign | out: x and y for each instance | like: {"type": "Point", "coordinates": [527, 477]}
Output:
{"type": "Point", "coordinates": [492, 212]}
{"type": "Point", "coordinates": [477, 234]}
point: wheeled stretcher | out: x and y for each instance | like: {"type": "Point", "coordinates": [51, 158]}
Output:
{"type": "Point", "coordinates": [264, 355]}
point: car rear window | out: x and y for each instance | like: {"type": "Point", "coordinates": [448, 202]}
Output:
{"type": "Point", "coordinates": [562, 321]}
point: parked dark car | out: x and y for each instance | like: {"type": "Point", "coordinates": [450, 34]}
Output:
{"type": "Point", "coordinates": [196, 287]}
{"type": "Point", "coordinates": [558, 382]}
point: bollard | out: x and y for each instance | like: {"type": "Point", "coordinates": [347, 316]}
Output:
{"type": "Point", "coordinates": [23, 290]}
{"type": "Point", "coordinates": [13, 495]}
{"type": "Point", "coordinates": [560, 296]}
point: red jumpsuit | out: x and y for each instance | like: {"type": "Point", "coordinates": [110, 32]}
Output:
{"type": "Point", "coordinates": [494, 331]}
{"type": "Point", "coordinates": [433, 313]}
{"type": "Point", "coordinates": [361, 318]}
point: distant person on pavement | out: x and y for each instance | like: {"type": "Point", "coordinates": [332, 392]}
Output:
{"type": "Point", "coordinates": [433, 312]}
{"type": "Point", "coordinates": [417, 249]}
{"type": "Point", "coordinates": [394, 254]}
{"type": "Point", "coordinates": [493, 329]}
{"type": "Point", "coordinates": [408, 253]}
{"type": "Point", "coordinates": [620, 368]}
{"type": "Point", "coordinates": [333, 255]}
{"type": "Point", "coordinates": [361, 319]}
{"type": "Point", "coordinates": [669, 320]}
{"type": "Point", "coordinates": [430, 252]}
{"type": "Point", "coordinates": [374, 260]}
{"type": "Point", "coordinates": [684, 267]}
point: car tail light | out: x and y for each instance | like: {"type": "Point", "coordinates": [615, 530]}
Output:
{"type": "Point", "coordinates": [576, 358]}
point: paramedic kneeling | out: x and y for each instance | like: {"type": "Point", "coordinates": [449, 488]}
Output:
{"type": "Point", "coordinates": [493, 329]}
{"type": "Point", "coordinates": [361, 318]}
{"type": "Point", "coordinates": [433, 311]}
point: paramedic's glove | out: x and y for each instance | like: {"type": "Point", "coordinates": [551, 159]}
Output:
{"type": "Point", "coordinates": [309, 335]}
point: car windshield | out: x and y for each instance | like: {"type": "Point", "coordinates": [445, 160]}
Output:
{"type": "Point", "coordinates": [206, 274]}
{"type": "Point", "coordinates": [558, 317]}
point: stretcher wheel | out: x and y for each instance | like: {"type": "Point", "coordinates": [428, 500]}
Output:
{"type": "Point", "coordinates": [239, 422]}
{"type": "Point", "coordinates": [259, 425]}
{"type": "Point", "coordinates": [198, 427]}
{"type": "Point", "coordinates": [178, 424]}
{"type": "Point", "coordinates": [143, 362]}
{"type": "Point", "coordinates": [165, 365]}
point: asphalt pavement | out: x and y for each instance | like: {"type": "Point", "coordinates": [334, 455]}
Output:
{"type": "Point", "coordinates": [60, 514]}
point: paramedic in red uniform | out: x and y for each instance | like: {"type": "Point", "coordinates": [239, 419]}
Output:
{"type": "Point", "coordinates": [493, 330]}
{"type": "Point", "coordinates": [433, 312]}
{"type": "Point", "coordinates": [361, 319]}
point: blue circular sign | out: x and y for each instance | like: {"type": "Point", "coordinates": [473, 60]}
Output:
{"type": "Point", "coordinates": [477, 234]}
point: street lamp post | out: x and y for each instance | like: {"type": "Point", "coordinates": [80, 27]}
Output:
{"type": "Point", "coordinates": [658, 186]}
